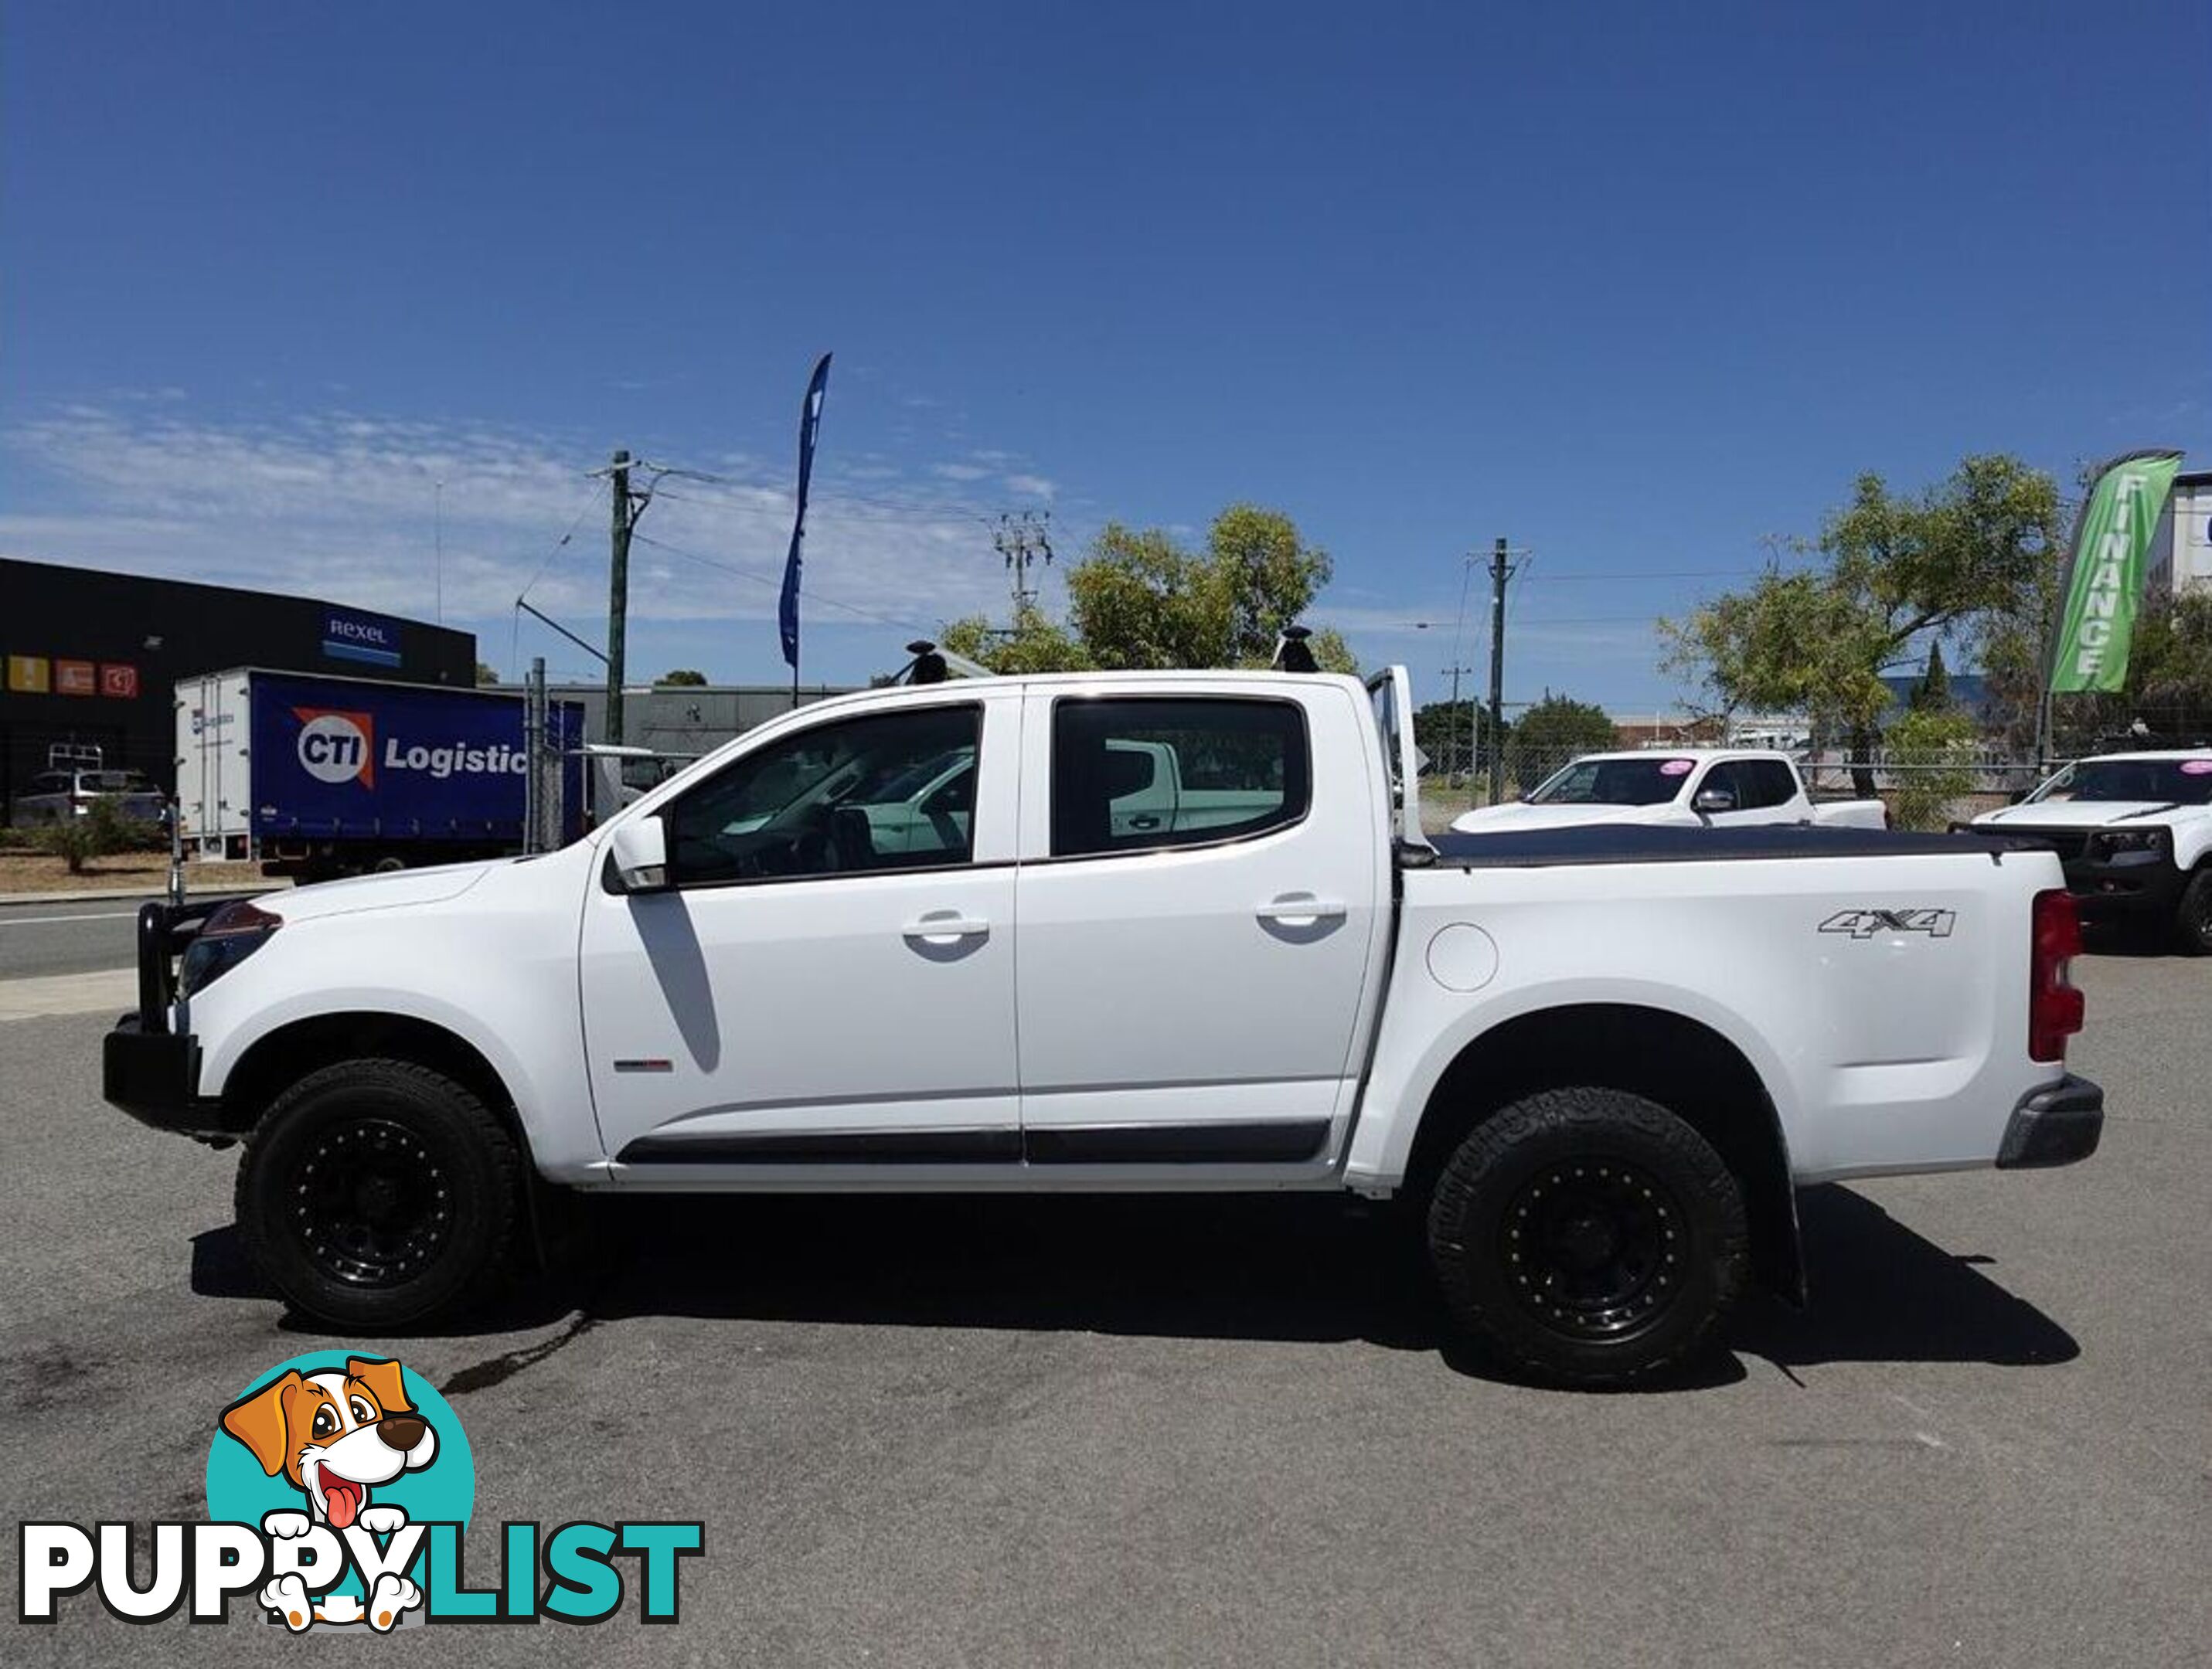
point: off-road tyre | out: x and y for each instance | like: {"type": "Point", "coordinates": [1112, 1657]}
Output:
{"type": "Point", "coordinates": [1588, 1236]}
{"type": "Point", "coordinates": [376, 1194]}
{"type": "Point", "coordinates": [2192, 917]}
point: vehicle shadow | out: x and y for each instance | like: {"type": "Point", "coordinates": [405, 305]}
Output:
{"type": "Point", "coordinates": [1883, 1293]}
{"type": "Point", "coordinates": [1280, 1267]}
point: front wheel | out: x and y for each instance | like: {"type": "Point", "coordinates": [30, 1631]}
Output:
{"type": "Point", "coordinates": [1588, 1235]}
{"type": "Point", "coordinates": [375, 1193]}
{"type": "Point", "coordinates": [2193, 921]}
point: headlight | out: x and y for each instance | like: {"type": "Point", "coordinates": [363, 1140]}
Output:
{"type": "Point", "coordinates": [232, 934]}
{"type": "Point", "coordinates": [2112, 842]}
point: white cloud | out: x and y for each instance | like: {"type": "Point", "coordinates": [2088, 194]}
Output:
{"type": "Point", "coordinates": [960, 471]}
{"type": "Point", "coordinates": [344, 505]}
{"type": "Point", "coordinates": [1031, 486]}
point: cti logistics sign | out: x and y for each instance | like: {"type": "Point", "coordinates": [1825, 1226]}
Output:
{"type": "Point", "coordinates": [2105, 579]}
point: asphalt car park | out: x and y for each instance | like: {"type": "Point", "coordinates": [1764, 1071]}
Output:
{"type": "Point", "coordinates": [1197, 1430]}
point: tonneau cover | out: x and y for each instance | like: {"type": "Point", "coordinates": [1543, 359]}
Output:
{"type": "Point", "coordinates": [1638, 843]}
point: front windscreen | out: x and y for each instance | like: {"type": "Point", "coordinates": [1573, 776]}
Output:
{"type": "Point", "coordinates": [1651, 781]}
{"type": "Point", "coordinates": [2167, 781]}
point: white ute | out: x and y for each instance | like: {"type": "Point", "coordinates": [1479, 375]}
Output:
{"type": "Point", "coordinates": [2134, 832]}
{"type": "Point", "coordinates": [1684, 787]}
{"type": "Point", "coordinates": [1594, 1063]}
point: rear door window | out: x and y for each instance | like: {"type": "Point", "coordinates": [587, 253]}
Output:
{"type": "Point", "coordinates": [1137, 774]}
{"type": "Point", "coordinates": [1766, 782]}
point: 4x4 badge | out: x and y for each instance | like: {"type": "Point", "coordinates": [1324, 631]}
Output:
{"type": "Point", "coordinates": [1865, 923]}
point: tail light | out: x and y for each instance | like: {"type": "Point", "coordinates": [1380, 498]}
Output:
{"type": "Point", "coordinates": [2055, 1008]}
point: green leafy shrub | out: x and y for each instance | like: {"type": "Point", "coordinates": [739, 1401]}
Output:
{"type": "Point", "coordinates": [1933, 751]}
{"type": "Point", "coordinates": [103, 829]}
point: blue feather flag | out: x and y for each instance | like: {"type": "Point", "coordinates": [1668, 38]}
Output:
{"type": "Point", "coordinates": [809, 424]}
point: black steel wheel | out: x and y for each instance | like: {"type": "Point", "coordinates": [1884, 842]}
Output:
{"type": "Point", "coordinates": [373, 1205]}
{"type": "Point", "coordinates": [1588, 1235]}
{"type": "Point", "coordinates": [375, 1193]}
{"type": "Point", "coordinates": [1592, 1247]}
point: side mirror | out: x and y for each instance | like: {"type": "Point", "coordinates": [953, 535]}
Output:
{"type": "Point", "coordinates": [638, 852]}
{"type": "Point", "coordinates": [1709, 800]}
{"type": "Point", "coordinates": [2017, 796]}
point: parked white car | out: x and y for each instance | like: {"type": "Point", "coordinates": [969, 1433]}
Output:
{"type": "Point", "coordinates": [57, 796]}
{"type": "Point", "coordinates": [1594, 1063]}
{"type": "Point", "coordinates": [2134, 832]}
{"type": "Point", "coordinates": [1686, 787]}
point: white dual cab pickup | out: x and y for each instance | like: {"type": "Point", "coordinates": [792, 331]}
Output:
{"type": "Point", "coordinates": [1594, 1063]}
{"type": "Point", "coordinates": [2134, 832]}
{"type": "Point", "coordinates": [1686, 787]}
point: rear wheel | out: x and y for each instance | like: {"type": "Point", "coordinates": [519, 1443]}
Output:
{"type": "Point", "coordinates": [375, 1193]}
{"type": "Point", "coordinates": [1588, 1235]}
{"type": "Point", "coordinates": [2193, 921]}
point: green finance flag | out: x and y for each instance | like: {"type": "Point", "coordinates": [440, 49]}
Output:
{"type": "Point", "coordinates": [2105, 574]}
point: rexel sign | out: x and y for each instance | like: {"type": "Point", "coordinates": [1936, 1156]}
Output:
{"type": "Point", "coordinates": [360, 637]}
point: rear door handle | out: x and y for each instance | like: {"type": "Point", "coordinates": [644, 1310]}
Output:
{"type": "Point", "coordinates": [1294, 908]}
{"type": "Point", "coordinates": [945, 928]}
{"type": "Point", "coordinates": [1145, 820]}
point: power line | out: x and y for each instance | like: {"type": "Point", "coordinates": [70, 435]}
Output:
{"type": "Point", "coordinates": [1673, 574]}
{"type": "Point", "coordinates": [839, 505]}
{"type": "Point", "coordinates": [590, 499]}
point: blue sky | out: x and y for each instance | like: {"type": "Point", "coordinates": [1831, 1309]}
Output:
{"type": "Point", "coordinates": [1634, 285]}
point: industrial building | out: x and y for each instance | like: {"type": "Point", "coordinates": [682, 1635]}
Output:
{"type": "Point", "coordinates": [92, 659]}
{"type": "Point", "coordinates": [2180, 556]}
{"type": "Point", "coordinates": [684, 720]}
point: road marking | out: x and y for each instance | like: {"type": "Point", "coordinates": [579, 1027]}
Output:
{"type": "Point", "coordinates": [111, 989]}
{"type": "Point", "coordinates": [48, 921]}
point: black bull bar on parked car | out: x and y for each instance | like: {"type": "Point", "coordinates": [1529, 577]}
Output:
{"type": "Point", "coordinates": [149, 1071]}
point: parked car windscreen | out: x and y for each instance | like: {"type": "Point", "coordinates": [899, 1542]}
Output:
{"type": "Point", "coordinates": [2175, 781]}
{"type": "Point", "coordinates": [1651, 781]}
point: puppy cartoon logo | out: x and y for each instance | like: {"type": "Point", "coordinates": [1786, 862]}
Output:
{"type": "Point", "coordinates": [336, 1436]}
{"type": "Point", "coordinates": [339, 1490]}
{"type": "Point", "coordinates": [337, 747]}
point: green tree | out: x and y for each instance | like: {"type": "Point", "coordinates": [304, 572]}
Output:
{"type": "Point", "coordinates": [1559, 726]}
{"type": "Point", "coordinates": [1036, 644]}
{"type": "Point", "coordinates": [2171, 668]}
{"type": "Point", "coordinates": [1933, 693]}
{"type": "Point", "coordinates": [1448, 731]}
{"type": "Point", "coordinates": [687, 677]}
{"type": "Point", "coordinates": [1139, 599]}
{"type": "Point", "coordinates": [487, 674]}
{"type": "Point", "coordinates": [1967, 560]}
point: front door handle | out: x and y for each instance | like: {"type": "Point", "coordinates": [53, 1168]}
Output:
{"type": "Point", "coordinates": [945, 928]}
{"type": "Point", "coordinates": [1300, 908]}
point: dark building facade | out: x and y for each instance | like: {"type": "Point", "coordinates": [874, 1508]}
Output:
{"type": "Point", "coordinates": [92, 658]}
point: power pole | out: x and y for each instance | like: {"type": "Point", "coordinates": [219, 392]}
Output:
{"type": "Point", "coordinates": [1501, 570]}
{"type": "Point", "coordinates": [1021, 540]}
{"type": "Point", "coordinates": [1451, 727]}
{"type": "Point", "coordinates": [617, 596]}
